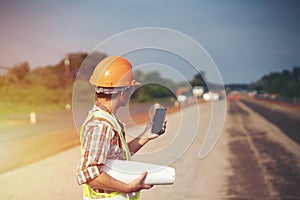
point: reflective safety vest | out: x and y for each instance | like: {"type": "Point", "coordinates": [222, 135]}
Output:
{"type": "Point", "coordinates": [88, 192]}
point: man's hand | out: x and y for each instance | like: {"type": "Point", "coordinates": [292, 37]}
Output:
{"type": "Point", "coordinates": [148, 134]}
{"type": "Point", "coordinates": [137, 184]}
{"type": "Point", "coordinates": [135, 144]}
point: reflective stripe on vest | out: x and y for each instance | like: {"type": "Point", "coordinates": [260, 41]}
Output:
{"type": "Point", "coordinates": [87, 191]}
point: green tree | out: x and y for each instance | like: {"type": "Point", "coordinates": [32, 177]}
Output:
{"type": "Point", "coordinates": [285, 84]}
{"type": "Point", "coordinates": [198, 79]}
{"type": "Point", "coordinates": [155, 87]}
{"type": "Point", "coordinates": [18, 74]}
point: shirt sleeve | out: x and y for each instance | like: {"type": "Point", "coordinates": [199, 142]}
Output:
{"type": "Point", "coordinates": [95, 147]}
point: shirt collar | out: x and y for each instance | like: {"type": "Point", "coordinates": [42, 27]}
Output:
{"type": "Point", "coordinates": [102, 107]}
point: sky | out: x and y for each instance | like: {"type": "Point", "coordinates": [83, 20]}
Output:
{"type": "Point", "coordinates": [245, 39]}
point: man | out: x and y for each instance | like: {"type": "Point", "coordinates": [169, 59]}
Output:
{"type": "Point", "coordinates": [102, 135]}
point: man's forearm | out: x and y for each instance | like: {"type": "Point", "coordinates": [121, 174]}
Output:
{"type": "Point", "coordinates": [105, 182]}
{"type": "Point", "coordinates": [135, 144]}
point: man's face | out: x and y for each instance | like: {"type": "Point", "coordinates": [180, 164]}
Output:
{"type": "Point", "coordinates": [125, 96]}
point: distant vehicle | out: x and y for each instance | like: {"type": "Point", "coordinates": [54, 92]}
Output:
{"type": "Point", "coordinates": [198, 91]}
{"type": "Point", "coordinates": [181, 98]}
{"type": "Point", "coordinates": [211, 96]}
{"type": "Point", "coordinates": [234, 96]}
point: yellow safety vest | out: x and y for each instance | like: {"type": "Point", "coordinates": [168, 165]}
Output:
{"type": "Point", "coordinates": [87, 191]}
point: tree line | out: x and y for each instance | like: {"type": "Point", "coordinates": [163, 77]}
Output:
{"type": "Point", "coordinates": [22, 88]}
{"type": "Point", "coordinates": [285, 85]}
{"type": "Point", "coordinates": [51, 86]}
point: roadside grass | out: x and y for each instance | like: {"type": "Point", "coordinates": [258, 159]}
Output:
{"type": "Point", "coordinates": [17, 100]}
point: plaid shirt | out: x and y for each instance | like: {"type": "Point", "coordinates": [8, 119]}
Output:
{"type": "Point", "coordinates": [100, 141]}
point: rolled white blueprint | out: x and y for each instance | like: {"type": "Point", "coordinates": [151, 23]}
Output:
{"type": "Point", "coordinates": [126, 171]}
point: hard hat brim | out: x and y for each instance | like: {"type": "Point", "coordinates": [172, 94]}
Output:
{"type": "Point", "coordinates": [110, 85]}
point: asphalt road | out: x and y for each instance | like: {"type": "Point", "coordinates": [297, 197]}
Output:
{"type": "Point", "coordinates": [265, 162]}
{"type": "Point", "coordinates": [285, 118]}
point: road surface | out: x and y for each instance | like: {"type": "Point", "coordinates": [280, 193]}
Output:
{"type": "Point", "coordinates": [253, 159]}
{"type": "Point", "coordinates": [22, 143]}
{"type": "Point", "coordinates": [265, 163]}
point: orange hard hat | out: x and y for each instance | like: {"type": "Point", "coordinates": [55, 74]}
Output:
{"type": "Point", "coordinates": [113, 71]}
